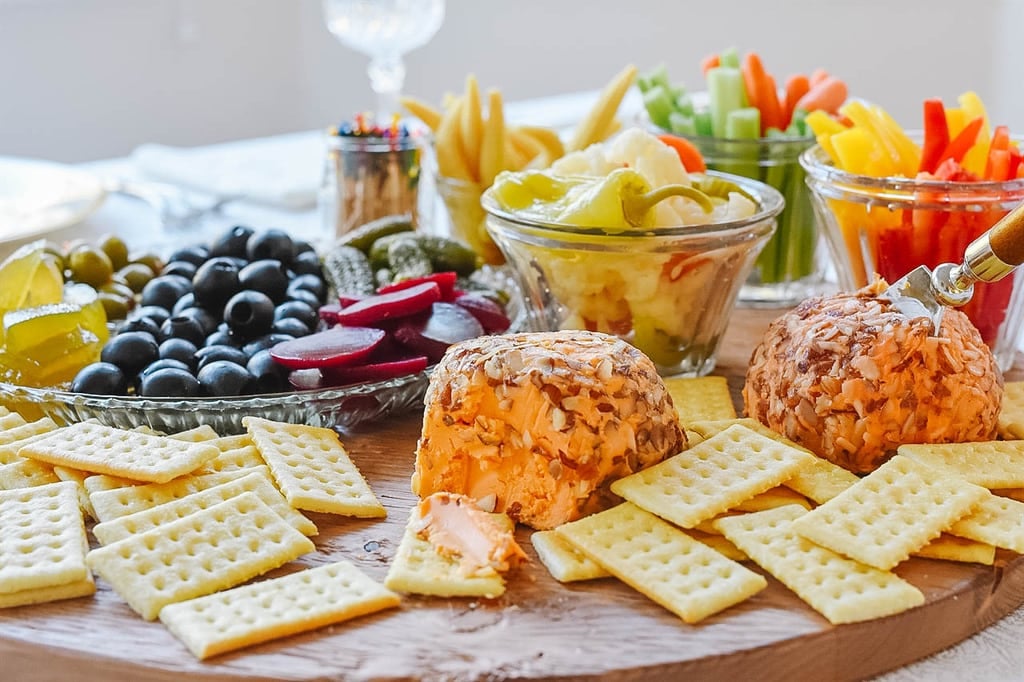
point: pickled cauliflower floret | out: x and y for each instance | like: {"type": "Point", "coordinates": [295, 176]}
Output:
{"type": "Point", "coordinates": [660, 165]}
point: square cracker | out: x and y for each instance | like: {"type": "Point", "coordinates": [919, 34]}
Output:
{"type": "Point", "coordinates": [992, 464]}
{"type": "Point", "coordinates": [712, 476]}
{"type": "Point", "coordinates": [257, 482]}
{"type": "Point", "coordinates": [42, 538]}
{"type": "Point", "coordinates": [312, 468]}
{"type": "Point", "coordinates": [210, 550]}
{"type": "Point", "coordinates": [130, 454]}
{"type": "Point", "coordinates": [951, 548]}
{"type": "Point", "coordinates": [698, 398]}
{"type": "Point", "coordinates": [662, 562]}
{"type": "Point", "coordinates": [198, 434]}
{"type": "Point", "coordinates": [564, 562]}
{"type": "Point", "coordinates": [996, 521]}
{"type": "Point", "coordinates": [26, 473]}
{"type": "Point", "coordinates": [78, 478]}
{"type": "Point", "coordinates": [842, 590]}
{"type": "Point", "coordinates": [779, 496]}
{"type": "Point", "coordinates": [275, 608]}
{"type": "Point", "coordinates": [417, 568]}
{"type": "Point", "coordinates": [96, 482]}
{"type": "Point", "coordinates": [893, 511]}
{"type": "Point", "coordinates": [122, 501]}
{"type": "Point", "coordinates": [720, 544]}
{"type": "Point", "coordinates": [820, 481]}
{"type": "Point", "coordinates": [40, 595]}
{"type": "Point", "coordinates": [12, 439]}
{"type": "Point", "coordinates": [1011, 416]}
{"type": "Point", "coordinates": [236, 452]}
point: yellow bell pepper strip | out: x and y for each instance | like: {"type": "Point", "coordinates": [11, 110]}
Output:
{"type": "Point", "coordinates": [975, 157]}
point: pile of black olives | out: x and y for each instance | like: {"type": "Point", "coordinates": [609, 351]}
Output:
{"type": "Point", "coordinates": [205, 325]}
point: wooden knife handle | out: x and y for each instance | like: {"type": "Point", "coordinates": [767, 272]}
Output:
{"type": "Point", "coordinates": [1007, 237]}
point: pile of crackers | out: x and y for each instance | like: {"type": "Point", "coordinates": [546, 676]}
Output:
{"type": "Point", "coordinates": [743, 493]}
{"type": "Point", "coordinates": [182, 520]}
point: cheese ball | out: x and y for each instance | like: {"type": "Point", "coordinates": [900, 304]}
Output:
{"type": "Point", "coordinates": [852, 378]}
{"type": "Point", "coordinates": [537, 424]}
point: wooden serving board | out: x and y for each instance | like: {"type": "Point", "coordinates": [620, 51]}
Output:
{"type": "Point", "coordinates": [539, 629]}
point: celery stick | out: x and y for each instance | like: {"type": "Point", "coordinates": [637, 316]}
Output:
{"type": "Point", "coordinates": [684, 105]}
{"type": "Point", "coordinates": [658, 76]}
{"type": "Point", "coordinates": [702, 121]}
{"type": "Point", "coordinates": [725, 94]}
{"type": "Point", "coordinates": [659, 105]}
{"type": "Point", "coordinates": [681, 124]}
{"type": "Point", "coordinates": [743, 124]}
{"type": "Point", "coordinates": [729, 57]}
{"type": "Point", "coordinates": [772, 258]}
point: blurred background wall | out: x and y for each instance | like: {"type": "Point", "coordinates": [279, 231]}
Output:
{"type": "Point", "coordinates": [88, 79]}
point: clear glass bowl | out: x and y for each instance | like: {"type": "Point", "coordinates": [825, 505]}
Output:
{"type": "Point", "coordinates": [889, 226]}
{"type": "Point", "coordinates": [793, 263]}
{"type": "Point", "coordinates": [668, 291]}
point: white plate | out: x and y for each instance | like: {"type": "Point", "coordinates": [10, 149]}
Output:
{"type": "Point", "coordinates": [37, 197]}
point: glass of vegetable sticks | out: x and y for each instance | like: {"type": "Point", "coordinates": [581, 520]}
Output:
{"type": "Point", "coordinates": [890, 225]}
{"type": "Point", "coordinates": [792, 265]}
{"type": "Point", "coordinates": [369, 172]}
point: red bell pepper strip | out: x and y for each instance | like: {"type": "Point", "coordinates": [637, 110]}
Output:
{"type": "Point", "coordinates": [1015, 164]}
{"type": "Point", "coordinates": [964, 141]}
{"type": "Point", "coordinates": [996, 151]}
{"type": "Point", "coordinates": [936, 135]}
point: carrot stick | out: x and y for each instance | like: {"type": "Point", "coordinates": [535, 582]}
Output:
{"type": "Point", "coordinates": [709, 62]}
{"type": "Point", "coordinates": [829, 94]}
{"type": "Point", "coordinates": [688, 153]}
{"type": "Point", "coordinates": [796, 87]}
{"type": "Point", "coordinates": [817, 76]}
{"type": "Point", "coordinates": [750, 85]}
{"type": "Point", "coordinates": [767, 97]}
{"type": "Point", "coordinates": [1000, 143]}
{"type": "Point", "coordinates": [998, 165]}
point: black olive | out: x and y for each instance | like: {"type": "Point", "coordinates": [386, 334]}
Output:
{"type": "Point", "coordinates": [155, 313]}
{"type": "Point", "coordinates": [307, 263]}
{"type": "Point", "coordinates": [291, 326]}
{"type": "Point", "coordinates": [268, 276]}
{"type": "Point", "coordinates": [206, 319]}
{"type": "Point", "coordinates": [181, 350]}
{"type": "Point", "coordinates": [165, 290]}
{"type": "Point", "coordinates": [265, 342]}
{"type": "Point", "coordinates": [186, 301]}
{"type": "Point", "coordinates": [141, 324]}
{"type": "Point", "coordinates": [304, 295]}
{"type": "Point", "coordinates": [215, 282]}
{"type": "Point", "coordinates": [232, 242]}
{"type": "Point", "coordinates": [268, 375]}
{"type": "Point", "coordinates": [131, 351]}
{"type": "Point", "coordinates": [224, 377]}
{"type": "Point", "coordinates": [312, 283]}
{"type": "Point", "coordinates": [182, 327]}
{"type": "Point", "coordinates": [180, 267]}
{"type": "Point", "coordinates": [249, 313]}
{"type": "Point", "coordinates": [196, 255]}
{"type": "Point", "coordinates": [164, 363]}
{"type": "Point", "coordinates": [100, 378]}
{"type": "Point", "coordinates": [169, 382]}
{"type": "Point", "coordinates": [222, 352]}
{"type": "Point", "coordinates": [301, 311]}
{"type": "Point", "coordinates": [271, 243]}
{"type": "Point", "coordinates": [300, 246]}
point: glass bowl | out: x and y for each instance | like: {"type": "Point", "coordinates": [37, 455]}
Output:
{"type": "Point", "coordinates": [889, 226]}
{"type": "Point", "coordinates": [668, 291]}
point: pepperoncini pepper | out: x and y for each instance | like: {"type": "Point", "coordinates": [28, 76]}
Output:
{"type": "Point", "coordinates": [621, 200]}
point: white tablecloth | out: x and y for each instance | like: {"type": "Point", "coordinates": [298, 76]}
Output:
{"type": "Point", "coordinates": [994, 655]}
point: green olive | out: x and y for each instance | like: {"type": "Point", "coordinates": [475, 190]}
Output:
{"type": "Point", "coordinates": [151, 260]}
{"type": "Point", "coordinates": [116, 250]}
{"type": "Point", "coordinates": [90, 265]}
{"type": "Point", "coordinates": [73, 245]}
{"type": "Point", "coordinates": [116, 306]}
{"type": "Point", "coordinates": [135, 275]}
{"type": "Point", "coordinates": [118, 289]}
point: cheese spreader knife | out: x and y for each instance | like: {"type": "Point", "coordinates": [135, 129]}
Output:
{"type": "Point", "coordinates": [989, 258]}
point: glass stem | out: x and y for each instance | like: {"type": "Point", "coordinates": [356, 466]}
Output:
{"type": "Point", "coordinates": [387, 74]}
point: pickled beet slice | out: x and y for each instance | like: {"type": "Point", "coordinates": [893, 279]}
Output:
{"type": "Point", "coordinates": [378, 371]}
{"type": "Point", "coordinates": [345, 300]}
{"type": "Point", "coordinates": [335, 346]}
{"type": "Point", "coordinates": [445, 280]}
{"type": "Point", "coordinates": [432, 334]}
{"type": "Point", "coordinates": [329, 313]}
{"type": "Point", "coordinates": [373, 309]}
{"type": "Point", "coordinates": [487, 312]}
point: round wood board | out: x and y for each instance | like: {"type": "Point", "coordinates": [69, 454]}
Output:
{"type": "Point", "coordinates": [539, 629]}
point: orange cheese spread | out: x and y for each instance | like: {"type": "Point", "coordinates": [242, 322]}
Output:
{"type": "Point", "coordinates": [457, 527]}
{"type": "Point", "coordinates": [542, 421]}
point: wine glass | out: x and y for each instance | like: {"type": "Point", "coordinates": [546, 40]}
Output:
{"type": "Point", "coordinates": [385, 30]}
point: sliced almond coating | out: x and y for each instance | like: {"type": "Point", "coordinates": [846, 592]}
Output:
{"type": "Point", "coordinates": [275, 608]}
{"type": "Point", "coordinates": [842, 590]}
{"type": "Point", "coordinates": [712, 477]}
{"type": "Point", "coordinates": [313, 469]}
{"type": "Point", "coordinates": [893, 511]}
{"type": "Point", "coordinates": [662, 562]}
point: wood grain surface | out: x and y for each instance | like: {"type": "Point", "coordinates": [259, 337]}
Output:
{"type": "Point", "coordinates": [540, 629]}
